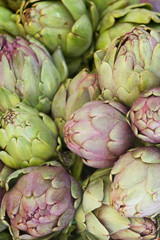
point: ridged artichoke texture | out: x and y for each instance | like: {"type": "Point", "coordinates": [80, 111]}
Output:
{"type": "Point", "coordinates": [99, 132]}
{"type": "Point", "coordinates": [30, 72]}
{"type": "Point", "coordinates": [144, 117]}
{"type": "Point", "coordinates": [132, 194]}
{"type": "Point", "coordinates": [27, 137]}
{"type": "Point", "coordinates": [130, 65]}
{"type": "Point", "coordinates": [97, 220]}
{"type": "Point", "coordinates": [65, 23]}
{"type": "Point", "coordinates": [72, 95]}
{"type": "Point", "coordinates": [40, 201]}
{"type": "Point", "coordinates": [120, 21]}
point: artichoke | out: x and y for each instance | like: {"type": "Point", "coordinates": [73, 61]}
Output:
{"type": "Point", "coordinates": [98, 132]}
{"type": "Point", "coordinates": [130, 65]}
{"type": "Point", "coordinates": [135, 188]}
{"type": "Point", "coordinates": [145, 118]}
{"type": "Point", "coordinates": [65, 23]}
{"type": "Point", "coordinates": [72, 95]}
{"type": "Point", "coordinates": [120, 21]}
{"type": "Point", "coordinates": [97, 220]}
{"type": "Point", "coordinates": [28, 70]}
{"type": "Point", "coordinates": [109, 5]}
{"type": "Point", "coordinates": [41, 203]}
{"type": "Point", "coordinates": [4, 173]}
{"type": "Point", "coordinates": [27, 137]}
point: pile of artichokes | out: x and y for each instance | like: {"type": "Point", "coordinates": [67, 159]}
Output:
{"type": "Point", "coordinates": [79, 119]}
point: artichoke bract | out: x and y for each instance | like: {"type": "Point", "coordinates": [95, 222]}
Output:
{"type": "Point", "coordinates": [42, 201]}
{"type": "Point", "coordinates": [130, 65]}
{"type": "Point", "coordinates": [135, 188]}
{"type": "Point", "coordinates": [28, 70]}
{"type": "Point", "coordinates": [144, 116]}
{"type": "Point", "coordinates": [27, 137]}
{"type": "Point", "coordinates": [120, 21]}
{"type": "Point", "coordinates": [73, 94]}
{"type": "Point", "coordinates": [65, 23]}
{"type": "Point", "coordinates": [109, 5]}
{"type": "Point", "coordinates": [99, 133]}
{"type": "Point", "coordinates": [97, 220]}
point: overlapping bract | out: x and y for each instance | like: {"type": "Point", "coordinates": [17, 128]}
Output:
{"type": "Point", "coordinates": [97, 220]}
{"type": "Point", "coordinates": [42, 202]}
{"type": "Point", "coordinates": [135, 190]}
{"type": "Point", "coordinates": [120, 21]}
{"type": "Point", "coordinates": [99, 133]}
{"type": "Point", "coordinates": [144, 116]}
{"type": "Point", "coordinates": [54, 23]}
{"type": "Point", "coordinates": [27, 137]}
{"type": "Point", "coordinates": [130, 66]}
{"type": "Point", "coordinates": [28, 70]}
{"type": "Point", "coordinates": [72, 95]}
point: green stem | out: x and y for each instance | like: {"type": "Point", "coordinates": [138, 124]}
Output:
{"type": "Point", "coordinates": [77, 168]}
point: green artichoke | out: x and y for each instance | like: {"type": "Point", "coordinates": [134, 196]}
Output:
{"type": "Point", "coordinates": [28, 70]}
{"type": "Point", "coordinates": [98, 132]}
{"type": "Point", "coordinates": [27, 137]}
{"type": "Point", "coordinates": [65, 23]}
{"type": "Point", "coordinates": [40, 201]}
{"type": "Point", "coordinates": [135, 188]}
{"type": "Point", "coordinates": [144, 116]}
{"type": "Point", "coordinates": [97, 220]}
{"type": "Point", "coordinates": [130, 65]}
{"type": "Point", "coordinates": [109, 5]}
{"type": "Point", "coordinates": [72, 95]}
{"type": "Point", "coordinates": [120, 21]}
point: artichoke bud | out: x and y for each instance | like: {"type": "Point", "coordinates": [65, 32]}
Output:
{"type": "Point", "coordinates": [147, 203]}
{"type": "Point", "coordinates": [27, 137]}
{"type": "Point", "coordinates": [115, 23]}
{"type": "Point", "coordinates": [95, 124]}
{"type": "Point", "coordinates": [73, 94]}
{"type": "Point", "coordinates": [128, 68]}
{"type": "Point", "coordinates": [24, 65]}
{"type": "Point", "coordinates": [96, 219]}
{"type": "Point", "coordinates": [51, 196]}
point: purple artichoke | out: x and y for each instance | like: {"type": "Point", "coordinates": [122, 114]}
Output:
{"type": "Point", "coordinates": [99, 133]}
{"type": "Point", "coordinates": [135, 187]}
{"type": "Point", "coordinates": [42, 202]}
{"type": "Point", "coordinates": [73, 94]}
{"type": "Point", "coordinates": [28, 70]}
{"type": "Point", "coordinates": [144, 116]}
